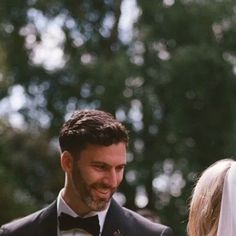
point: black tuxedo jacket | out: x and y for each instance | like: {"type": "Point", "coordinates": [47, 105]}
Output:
{"type": "Point", "coordinates": [119, 221]}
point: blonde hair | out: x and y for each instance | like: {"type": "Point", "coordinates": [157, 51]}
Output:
{"type": "Point", "coordinates": [206, 200]}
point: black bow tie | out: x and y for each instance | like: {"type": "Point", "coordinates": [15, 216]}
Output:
{"type": "Point", "coordinates": [90, 224]}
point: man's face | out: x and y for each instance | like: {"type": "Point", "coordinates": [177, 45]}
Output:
{"type": "Point", "coordinates": [96, 175]}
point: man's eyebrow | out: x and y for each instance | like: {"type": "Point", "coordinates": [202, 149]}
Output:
{"type": "Point", "coordinates": [123, 164]}
{"type": "Point", "coordinates": [99, 163]}
{"type": "Point", "coordinates": [106, 164]}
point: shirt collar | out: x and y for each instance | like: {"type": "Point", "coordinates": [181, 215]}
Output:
{"type": "Point", "coordinates": [62, 206]}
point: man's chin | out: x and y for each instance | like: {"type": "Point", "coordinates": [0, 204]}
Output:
{"type": "Point", "coordinates": [100, 205]}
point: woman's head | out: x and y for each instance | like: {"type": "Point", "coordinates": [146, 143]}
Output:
{"type": "Point", "coordinates": [206, 200]}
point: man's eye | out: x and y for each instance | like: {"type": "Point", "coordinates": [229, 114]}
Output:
{"type": "Point", "coordinates": [120, 168]}
{"type": "Point", "coordinates": [100, 167]}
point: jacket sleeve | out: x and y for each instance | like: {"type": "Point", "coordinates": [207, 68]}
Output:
{"type": "Point", "coordinates": [2, 232]}
{"type": "Point", "coordinates": [167, 232]}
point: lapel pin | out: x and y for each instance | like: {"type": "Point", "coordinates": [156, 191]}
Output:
{"type": "Point", "coordinates": [117, 233]}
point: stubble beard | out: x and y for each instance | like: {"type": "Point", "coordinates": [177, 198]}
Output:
{"type": "Point", "coordinates": [84, 192]}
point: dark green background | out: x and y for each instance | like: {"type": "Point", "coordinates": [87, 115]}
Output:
{"type": "Point", "coordinates": [173, 85]}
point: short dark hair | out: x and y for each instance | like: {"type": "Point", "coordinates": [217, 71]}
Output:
{"type": "Point", "coordinates": [91, 127]}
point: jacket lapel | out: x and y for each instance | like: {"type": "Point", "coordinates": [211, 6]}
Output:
{"type": "Point", "coordinates": [113, 225]}
{"type": "Point", "coordinates": [48, 221]}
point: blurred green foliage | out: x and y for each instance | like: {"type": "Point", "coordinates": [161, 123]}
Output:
{"type": "Point", "coordinates": [169, 77]}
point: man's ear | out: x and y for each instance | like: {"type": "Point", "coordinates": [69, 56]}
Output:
{"type": "Point", "coordinates": [66, 161]}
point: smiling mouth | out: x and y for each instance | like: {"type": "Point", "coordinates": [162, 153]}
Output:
{"type": "Point", "coordinates": [102, 193]}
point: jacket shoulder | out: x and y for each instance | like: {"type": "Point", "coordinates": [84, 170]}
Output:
{"type": "Point", "coordinates": [24, 225]}
{"type": "Point", "coordinates": [20, 225]}
{"type": "Point", "coordinates": [142, 224]}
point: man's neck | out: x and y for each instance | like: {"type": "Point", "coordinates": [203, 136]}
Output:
{"type": "Point", "coordinates": [75, 203]}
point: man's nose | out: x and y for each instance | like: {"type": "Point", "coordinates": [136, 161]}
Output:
{"type": "Point", "coordinates": [112, 178]}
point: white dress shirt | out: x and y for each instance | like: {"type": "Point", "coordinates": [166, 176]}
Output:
{"type": "Point", "coordinates": [63, 207]}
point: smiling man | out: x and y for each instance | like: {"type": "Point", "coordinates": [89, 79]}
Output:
{"type": "Point", "coordinates": [93, 157]}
